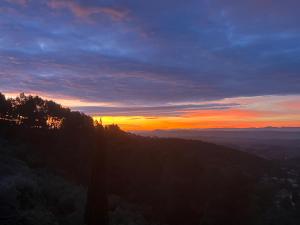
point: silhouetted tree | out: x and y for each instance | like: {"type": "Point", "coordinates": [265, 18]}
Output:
{"type": "Point", "coordinates": [4, 106]}
{"type": "Point", "coordinates": [77, 120]}
{"type": "Point", "coordinates": [29, 111]}
{"type": "Point", "coordinates": [97, 203]}
{"type": "Point", "coordinates": [68, 140]}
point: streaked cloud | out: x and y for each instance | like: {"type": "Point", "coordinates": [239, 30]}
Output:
{"type": "Point", "coordinates": [19, 2]}
{"type": "Point", "coordinates": [86, 11]}
{"type": "Point", "coordinates": [242, 112]}
{"type": "Point", "coordinates": [160, 110]}
{"type": "Point", "coordinates": [155, 58]}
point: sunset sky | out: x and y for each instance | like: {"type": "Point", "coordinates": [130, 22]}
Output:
{"type": "Point", "coordinates": [159, 64]}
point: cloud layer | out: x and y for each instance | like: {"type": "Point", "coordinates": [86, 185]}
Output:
{"type": "Point", "coordinates": [151, 53]}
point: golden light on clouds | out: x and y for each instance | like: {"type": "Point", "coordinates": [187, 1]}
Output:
{"type": "Point", "coordinates": [203, 119]}
{"type": "Point", "coordinates": [259, 111]}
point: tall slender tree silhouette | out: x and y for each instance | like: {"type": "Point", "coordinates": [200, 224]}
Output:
{"type": "Point", "coordinates": [97, 203]}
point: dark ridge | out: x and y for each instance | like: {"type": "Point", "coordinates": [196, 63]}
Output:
{"type": "Point", "coordinates": [175, 181]}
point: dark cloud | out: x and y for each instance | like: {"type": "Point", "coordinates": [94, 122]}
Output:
{"type": "Point", "coordinates": [19, 2]}
{"type": "Point", "coordinates": [153, 52]}
{"type": "Point", "coordinates": [170, 110]}
{"type": "Point", "coordinates": [84, 11]}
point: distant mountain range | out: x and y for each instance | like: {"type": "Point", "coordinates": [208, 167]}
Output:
{"type": "Point", "coordinates": [270, 142]}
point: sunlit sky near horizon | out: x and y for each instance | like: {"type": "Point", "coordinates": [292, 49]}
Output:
{"type": "Point", "coordinates": [157, 64]}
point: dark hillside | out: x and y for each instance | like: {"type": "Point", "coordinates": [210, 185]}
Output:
{"type": "Point", "coordinates": [175, 181]}
{"type": "Point", "coordinates": [190, 179]}
{"type": "Point", "coordinates": [35, 195]}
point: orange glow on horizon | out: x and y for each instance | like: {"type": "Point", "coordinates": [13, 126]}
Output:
{"type": "Point", "coordinates": [207, 119]}
{"type": "Point", "coordinates": [256, 111]}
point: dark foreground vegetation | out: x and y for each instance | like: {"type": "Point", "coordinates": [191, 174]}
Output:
{"type": "Point", "coordinates": [59, 167]}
